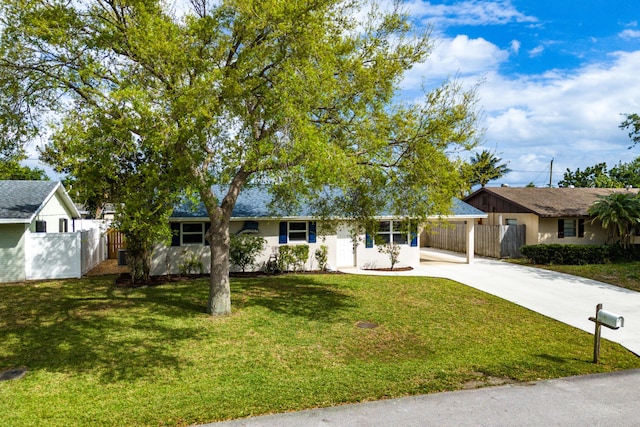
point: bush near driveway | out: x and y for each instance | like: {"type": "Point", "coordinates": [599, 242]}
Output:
{"type": "Point", "coordinates": [99, 355]}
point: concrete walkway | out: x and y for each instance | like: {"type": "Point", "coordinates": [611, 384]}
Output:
{"type": "Point", "coordinates": [569, 299]}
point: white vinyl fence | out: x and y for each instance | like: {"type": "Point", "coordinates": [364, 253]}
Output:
{"type": "Point", "coordinates": [63, 255]}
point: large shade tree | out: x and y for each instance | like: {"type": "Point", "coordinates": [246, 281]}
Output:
{"type": "Point", "coordinates": [298, 96]}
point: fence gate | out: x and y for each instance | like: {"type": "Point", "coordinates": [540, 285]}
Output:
{"type": "Point", "coordinates": [115, 241]}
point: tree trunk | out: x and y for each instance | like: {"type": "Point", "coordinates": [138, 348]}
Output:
{"type": "Point", "coordinates": [219, 288]}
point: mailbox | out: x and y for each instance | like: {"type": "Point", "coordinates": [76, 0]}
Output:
{"type": "Point", "coordinates": [609, 319]}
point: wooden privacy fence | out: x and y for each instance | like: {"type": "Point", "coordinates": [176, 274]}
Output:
{"type": "Point", "coordinates": [115, 241]}
{"type": "Point", "coordinates": [495, 241]}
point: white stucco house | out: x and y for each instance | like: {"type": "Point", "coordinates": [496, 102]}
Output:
{"type": "Point", "coordinates": [38, 236]}
{"type": "Point", "coordinates": [251, 215]}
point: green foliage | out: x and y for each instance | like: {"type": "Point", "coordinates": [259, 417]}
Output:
{"type": "Point", "coordinates": [484, 167]}
{"type": "Point", "coordinates": [619, 214]}
{"type": "Point", "coordinates": [295, 95]}
{"type": "Point", "coordinates": [190, 263]}
{"type": "Point", "coordinates": [632, 124]}
{"type": "Point", "coordinates": [244, 249]}
{"type": "Point", "coordinates": [12, 169]}
{"type": "Point", "coordinates": [592, 177]}
{"type": "Point", "coordinates": [567, 254]}
{"type": "Point", "coordinates": [292, 257]}
{"type": "Point", "coordinates": [321, 255]}
{"type": "Point", "coordinates": [392, 250]}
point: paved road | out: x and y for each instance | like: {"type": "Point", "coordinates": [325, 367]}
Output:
{"type": "Point", "coordinates": [604, 399]}
{"type": "Point", "coordinates": [590, 400]}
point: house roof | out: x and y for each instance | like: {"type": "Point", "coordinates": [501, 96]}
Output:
{"type": "Point", "coordinates": [551, 202]}
{"type": "Point", "coordinates": [21, 201]}
{"type": "Point", "coordinates": [253, 203]}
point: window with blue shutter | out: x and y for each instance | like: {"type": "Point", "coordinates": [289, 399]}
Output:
{"type": "Point", "coordinates": [414, 235]}
{"type": "Point", "coordinates": [312, 232]}
{"type": "Point", "coordinates": [368, 241]}
{"type": "Point", "coordinates": [283, 233]}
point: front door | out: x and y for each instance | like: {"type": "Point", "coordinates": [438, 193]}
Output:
{"type": "Point", "coordinates": [344, 251]}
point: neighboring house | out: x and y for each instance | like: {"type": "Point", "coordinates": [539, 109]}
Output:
{"type": "Point", "coordinates": [38, 238]}
{"type": "Point", "coordinates": [551, 215]}
{"type": "Point", "coordinates": [251, 215]}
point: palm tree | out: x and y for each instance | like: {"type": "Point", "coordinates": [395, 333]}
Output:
{"type": "Point", "coordinates": [619, 214]}
{"type": "Point", "coordinates": [484, 167]}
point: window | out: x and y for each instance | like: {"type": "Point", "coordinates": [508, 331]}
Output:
{"type": "Point", "coordinates": [297, 231]}
{"type": "Point", "coordinates": [511, 221]}
{"type": "Point", "coordinates": [63, 225]}
{"type": "Point", "coordinates": [192, 233]}
{"type": "Point", "coordinates": [41, 226]}
{"type": "Point", "coordinates": [570, 228]}
{"type": "Point", "coordinates": [395, 231]}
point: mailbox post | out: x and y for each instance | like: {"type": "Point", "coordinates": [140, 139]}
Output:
{"type": "Point", "coordinates": [603, 318]}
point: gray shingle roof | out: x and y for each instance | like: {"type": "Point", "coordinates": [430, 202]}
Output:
{"type": "Point", "coordinates": [20, 200]}
{"type": "Point", "coordinates": [254, 202]}
{"type": "Point", "coordinates": [551, 202]}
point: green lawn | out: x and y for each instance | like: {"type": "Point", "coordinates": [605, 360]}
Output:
{"type": "Point", "coordinates": [624, 274]}
{"type": "Point", "coordinates": [102, 356]}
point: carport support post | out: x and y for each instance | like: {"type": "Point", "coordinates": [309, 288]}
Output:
{"type": "Point", "coordinates": [596, 337]}
{"type": "Point", "coordinates": [470, 240]}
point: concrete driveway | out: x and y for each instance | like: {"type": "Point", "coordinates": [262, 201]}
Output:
{"type": "Point", "coordinates": [569, 299]}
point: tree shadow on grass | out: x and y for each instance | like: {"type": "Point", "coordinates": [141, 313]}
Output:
{"type": "Point", "coordinates": [293, 295]}
{"type": "Point", "coordinates": [89, 327]}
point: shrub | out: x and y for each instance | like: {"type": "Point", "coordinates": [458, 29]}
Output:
{"type": "Point", "coordinates": [244, 249]}
{"type": "Point", "coordinates": [392, 250]}
{"type": "Point", "coordinates": [292, 256]}
{"type": "Point", "coordinates": [190, 263]}
{"type": "Point", "coordinates": [321, 255]}
{"type": "Point", "coordinates": [567, 254]}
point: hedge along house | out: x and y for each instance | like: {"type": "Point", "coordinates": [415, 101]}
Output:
{"type": "Point", "coordinates": [36, 225]}
{"type": "Point", "coordinates": [551, 215]}
{"type": "Point", "coordinates": [251, 215]}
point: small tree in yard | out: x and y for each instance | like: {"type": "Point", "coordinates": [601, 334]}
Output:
{"type": "Point", "coordinates": [321, 255]}
{"type": "Point", "coordinates": [244, 249]}
{"type": "Point", "coordinates": [392, 250]}
{"type": "Point", "coordinates": [294, 95]}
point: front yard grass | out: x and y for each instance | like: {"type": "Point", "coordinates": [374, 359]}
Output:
{"type": "Point", "coordinates": [623, 274]}
{"type": "Point", "coordinates": [99, 355]}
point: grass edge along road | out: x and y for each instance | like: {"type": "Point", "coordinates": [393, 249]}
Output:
{"type": "Point", "coordinates": [99, 355]}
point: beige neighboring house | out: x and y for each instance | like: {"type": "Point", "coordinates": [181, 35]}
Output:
{"type": "Point", "coordinates": [551, 215]}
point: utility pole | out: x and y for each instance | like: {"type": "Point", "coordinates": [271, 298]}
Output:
{"type": "Point", "coordinates": [551, 175]}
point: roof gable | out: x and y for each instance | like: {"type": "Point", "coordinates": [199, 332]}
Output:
{"type": "Point", "coordinates": [21, 201]}
{"type": "Point", "coordinates": [544, 202]}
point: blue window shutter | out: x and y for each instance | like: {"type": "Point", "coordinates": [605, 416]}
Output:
{"type": "Point", "coordinates": [283, 233]}
{"type": "Point", "coordinates": [368, 241]}
{"type": "Point", "coordinates": [414, 235]}
{"type": "Point", "coordinates": [207, 226]}
{"type": "Point", "coordinates": [175, 233]}
{"type": "Point", "coordinates": [312, 231]}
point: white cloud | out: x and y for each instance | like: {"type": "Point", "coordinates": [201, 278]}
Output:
{"type": "Point", "coordinates": [536, 51]}
{"type": "Point", "coordinates": [468, 12]}
{"type": "Point", "coordinates": [515, 46]}
{"type": "Point", "coordinates": [630, 34]}
{"type": "Point", "coordinates": [460, 56]}
{"type": "Point", "coordinates": [570, 116]}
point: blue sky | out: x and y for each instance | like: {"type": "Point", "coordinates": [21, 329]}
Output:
{"type": "Point", "coordinates": [557, 77]}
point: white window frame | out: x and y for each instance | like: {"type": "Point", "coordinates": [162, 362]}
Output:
{"type": "Point", "coordinates": [398, 237]}
{"type": "Point", "coordinates": [298, 232]}
{"type": "Point", "coordinates": [184, 233]}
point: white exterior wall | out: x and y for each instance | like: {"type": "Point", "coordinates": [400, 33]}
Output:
{"type": "Point", "coordinates": [12, 243]}
{"type": "Point", "coordinates": [167, 259]}
{"type": "Point", "coordinates": [52, 256]}
{"type": "Point", "coordinates": [51, 213]}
